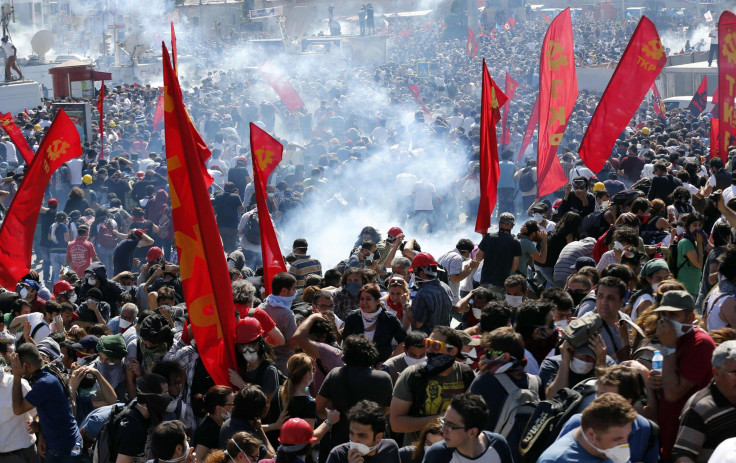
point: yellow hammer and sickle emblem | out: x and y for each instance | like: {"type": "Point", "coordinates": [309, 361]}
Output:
{"type": "Point", "coordinates": [57, 148]}
{"type": "Point", "coordinates": [264, 158]}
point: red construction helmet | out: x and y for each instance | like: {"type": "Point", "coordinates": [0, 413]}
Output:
{"type": "Point", "coordinates": [296, 431]}
{"type": "Point", "coordinates": [247, 330]}
{"type": "Point", "coordinates": [422, 260]}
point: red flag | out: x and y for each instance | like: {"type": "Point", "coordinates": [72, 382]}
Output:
{"type": "Point", "coordinates": [173, 49]}
{"type": "Point", "coordinates": [546, 18]}
{"type": "Point", "coordinates": [414, 89]}
{"type": "Point", "coordinates": [659, 108]}
{"type": "Point", "coordinates": [714, 123]}
{"type": "Point", "coordinates": [405, 32]}
{"type": "Point", "coordinates": [6, 121]}
{"type": "Point", "coordinates": [533, 120]}
{"type": "Point", "coordinates": [715, 112]}
{"type": "Point", "coordinates": [510, 88]}
{"type": "Point", "coordinates": [204, 273]}
{"type": "Point", "coordinates": [472, 43]}
{"type": "Point", "coordinates": [639, 66]}
{"type": "Point", "coordinates": [700, 99]}
{"type": "Point", "coordinates": [512, 22]}
{"type": "Point", "coordinates": [726, 71]}
{"type": "Point", "coordinates": [158, 116]}
{"type": "Point", "coordinates": [286, 92]}
{"type": "Point", "coordinates": [101, 110]}
{"type": "Point", "coordinates": [60, 144]}
{"type": "Point", "coordinates": [492, 98]}
{"type": "Point", "coordinates": [507, 26]}
{"type": "Point", "coordinates": [558, 90]}
{"type": "Point", "coordinates": [266, 153]}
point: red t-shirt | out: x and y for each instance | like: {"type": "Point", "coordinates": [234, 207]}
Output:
{"type": "Point", "coordinates": [80, 253]}
{"type": "Point", "coordinates": [263, 318]}
{"type": "Point", "coordinates": [694, 354]}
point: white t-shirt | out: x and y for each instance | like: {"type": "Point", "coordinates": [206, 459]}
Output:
{"type": "Point", "coordinates": [41, 332]}
{"type": "Point", "coordinates": [405, 184]}
{"type": "Point", "coordinates": [725, 452]}
{"type": "Point", "coordinates": [75, 171]}
{"type": "Point", "coordinates": [423, 193]}
{"type": "Point", "coordinates": [8, 49]}
{"type": "Point", "coordinates": [580, 171]}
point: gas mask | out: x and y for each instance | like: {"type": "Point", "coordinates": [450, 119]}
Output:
{"type": "Point", "coordinates": [250, 355]}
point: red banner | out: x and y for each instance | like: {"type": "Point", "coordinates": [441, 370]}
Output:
{"type": "Point", "coordinates": [509, 88]}
{"type": "Point", "coordinates": [173, 50]}
{"type": "Point", "coordinates": [60, 144]}
{"type": "Point", "coordinates": [281, 86]}
{"type": "Point", "coordinates": [546, 18]}
{"type": "Point", "coordinates": [414, 89]}
{"type": "Point", "coordinates": [492, 98]}
{"type": "Point", "coordinates": [533, 120]}
{"type": "Point", "coordinates": [558, 90]}
{"type": "Point", "coordinates": [714, 123]}
{"type": "Point", "coordinates": [472, 43]}
{"type": "Point", "coordinates": [101, 111]}
{"type": "Point", "coordinates": [158, 116]}
{"type": "Point", "coordinates": [659, 108]}
{"type": "Point", "coordinates": [700, 99]}
{"type": "Point", "coordinates": [726, 73]}
{"type": "Point", "coordinates": [266, 153]}
{"type": "Point", "coordinates": [6, 121]}
{"type": "Point", "coordinates": [204, 273]}
{"type": "Point", "coordinates": [639, 66]}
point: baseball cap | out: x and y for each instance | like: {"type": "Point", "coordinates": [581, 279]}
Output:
{"type": "Point", "coordinates": [675, 301]}
{"type": "Point", "coordinates": [468, 340]}
{"type": "Point", "coordinates": [295, 434]}
{"type": "Point", "coordinates": [87, 344]}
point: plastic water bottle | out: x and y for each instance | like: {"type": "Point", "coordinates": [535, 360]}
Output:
{"type": "Point", "coordinates": [657, 361]}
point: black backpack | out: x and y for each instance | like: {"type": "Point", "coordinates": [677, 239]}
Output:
{"type": "Point", "coordinates": [672, 258]}
{"type": "Point", "coordinates": [526, 181]}
{"type": "Point", "coordinates": [102, 450]}
{"type": "Point", "coordinates": [252, 229]}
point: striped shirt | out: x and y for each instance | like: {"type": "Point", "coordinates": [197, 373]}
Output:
{"type": "Point", "coordinates": [303, 266]}
{"type": "Point", "coordinates": [707, 420]}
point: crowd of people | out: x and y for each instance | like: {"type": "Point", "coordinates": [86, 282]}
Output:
{"type": "Point", "coordinates": [594, 324]}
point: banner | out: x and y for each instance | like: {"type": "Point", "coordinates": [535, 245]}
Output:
{"type": "Point", "coordinates": [101, 111]}
{"type": "Point", "coordinates": [16, 136]}
{"type": "Point", "coordinates": [533, 120]}
{"type": "Point", "coordinates": [158, 116]}
{"type": "Point", "coordinates": [414, 89]}
{"type": "Point", "coordinates": [558, 90]}
{"type": "Point", "coordinates": [639, 66]}
{"type": "Point", "coordinates": [204, 273]}
{"type": "Point", "coordinates": [714, 124]}
{"type": "Point", "coordinates": [659, 108]}
{"type": "Point", "coordinates": [266, 153]}
{"type": "Point", "coordinates": [492, 98]}
{"type": "Point", "coordinates": [726, 73]}
{"type": "Point", "coordinates": [60, 145]}
{"type": "Point", "coordinates": [510, 87]}
{"type": "Point", "coordinates": [700, 99]}
{"type": "Point", "coordinates": [472, 44]}
{"type": "Point", "coordinates": [546, 18]}
{"type": "Point", "coordinates": [281, 86]}
{"type": "Point", "coordinates": [173, 50]}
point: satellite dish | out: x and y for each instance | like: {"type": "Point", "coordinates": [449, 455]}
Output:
{"type": "Point", "coordinates": [42, 42]}
{"type": "Point", "coordinates": [134, 45]}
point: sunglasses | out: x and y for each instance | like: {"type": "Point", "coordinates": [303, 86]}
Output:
{"type": "Point", "coordinates": [435, 345]}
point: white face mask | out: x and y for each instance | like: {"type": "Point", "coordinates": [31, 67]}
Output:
{"type": "Point", "coordinates": [125, 323]}
{"type": "Point", "coordinates": [681, 328]}
{"type": "Point", "coordinates": [91, 281]}
{"type": "Point", "coordinates": [679, 230]}
{"type": "Point", "coordinates": [604, 204]}
{"type": "Point", "coordinates": [23, 293]}
{"type": "Point", "coordinates": [412, 361]}
{"type": "Point", "coordinates": [514, 301]}
{"type": "Point", "coordinates": [655, 286]}
{"type": "Point", "coordinates": [580, 367]}
{"type": "Point", "coordinates": [618, 246]}
{"type": "Point", "coordinates": [73, 297]}
{"type": "Point", "coordinates": [539, 218]}
{"type": "Point", "coordinates": [225, 416]}
{"type": "Point", "coordinates": [250, 356]}
{"type": "Point", "coordinates": [561, 324]}
{"type": "Point", "coordinates": [618, 454]}
{"type": "Point", "coordinates": [361, 447]}
{"type": "Point", "coordinates": [477, 313]}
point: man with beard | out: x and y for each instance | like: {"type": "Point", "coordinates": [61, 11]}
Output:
{"type": "Point", "coordinates": [423, 392]}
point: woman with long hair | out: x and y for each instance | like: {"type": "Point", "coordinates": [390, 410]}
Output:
{"type": "Point", "coordinates": [430, 435]}
{"type": "Point", "coordinates": [255, 359]}
{"type": "Point", "coordinates": [398, 300]}
{"type": "Point", "coordinates": [219, 405]}
{"type": "Point", "coordinates": [241, 448]}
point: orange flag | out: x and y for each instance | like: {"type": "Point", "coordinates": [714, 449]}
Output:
{"type": "Point", "coordinates": [60, 144]}
{"type": "Point", "coordinates": [492, 98]}
{"type": "Point", "coordinates": [558, 90]}
{"type": "Point", "coordinates": [639, 66]}
{"type": "Point", "coordinates": [204, 274]}
{"type": "Point", "coordinates": [266, 153]}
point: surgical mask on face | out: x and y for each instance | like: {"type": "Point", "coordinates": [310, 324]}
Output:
{"type": "Point", "coordinates": [514, 301]}
{"type": "Point", "coordinates": [128, 287]}
{"type": "Point", "coordinates": [23, 293]}
{"type": "Point", "coordinates": [91, 281]}
{"type": "Point", "coordinates": [477, 313]}
{"type": "Point", "coordinates": [413, 361]}
{"type": "Point", "coordinates": [619, 454]}
{"type": "Point", "coordinates": [250, 355]}
{"type": "Point", "coordinates": [681, 328]}
{"type": "Point", "coordinates": [618, 246]}
{"type": "Point", "coordinates": [679, 230]}
{"type": "Point", "coordinates": [539, 218]}
{"type": "Point", "coordinates": [580, 367]}
{"type": "Point", "coordinates": [604, 204]}
{"type": "Point", "coordinates": [225, 416]}
{"type": "Point", "coordinates": [361, 447]}
{"type": "Point", "coordinates": [655, 286]}
{"type": "Point", "coordinates": [561, 324]}
{"type": "Point", "coordinates": [73, 297]}
{"type": "Point", "coordinates": [353, 288]}
{"type": "Point", "coordinates": [125, 323]}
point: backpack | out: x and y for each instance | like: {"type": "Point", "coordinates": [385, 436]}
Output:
{"type": "Point", "coordinates": [252, 230]}
{"type": "Point", "coordinates": [102, 450]}
{"type": "Point", "coordinates": [672, 258]}
{"type": "Point", "coordinates": [519, 404]}
{"type": "Point", "coordinates": [593, 225]}
{"type": "Point", "coordinates": [106, 236]}
{"type": "Point", "coordinates": [526, 181]}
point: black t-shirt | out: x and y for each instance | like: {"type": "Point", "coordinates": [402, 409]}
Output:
{"type": "Point", "coordinates": [302, 407]}
{"type": "Point", "coordinates": [207, 434]}
{"type": "Point", "coordinates": [499, 251]}
{"type": "Point", "coordinates": [129, 438]}
{"type": "Point", "coordinates": [226, 209]}
{"type": "Point", "coordinates": [123, 255]}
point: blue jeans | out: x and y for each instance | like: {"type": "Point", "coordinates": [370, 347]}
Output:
{"type": "Point", "coordinates": [62, 456]}
{"type": "Point", "coordinates": [58, 259]}
{"type": "Point", "coordinates": [548, 273]}
{"type": "Point", "coordinates": [42, 254]}
{"type": "Point", "coordinates": [106, 257]}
